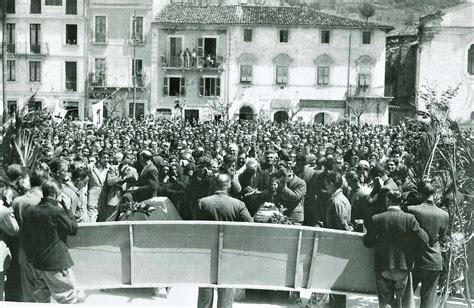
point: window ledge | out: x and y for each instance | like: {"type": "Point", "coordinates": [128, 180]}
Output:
{"type": "Point", "coordinates": [70, 46]}
{"type": "Point", "coordinates": [100, 43]}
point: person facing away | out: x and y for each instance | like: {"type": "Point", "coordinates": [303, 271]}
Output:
{"type": "Point", "coordinates": [394, 234]}
{"type": "Point", "coordinates": [220, 207]}
{"type": "Point", "coordinates": [429, 264]}
{"type": "Point", "coordinates": [20, 205]}
{"type": "Point", "coordinates": [45, 230]}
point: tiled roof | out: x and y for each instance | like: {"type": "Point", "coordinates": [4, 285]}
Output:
{"type": "Point", "coordinates": [257, 15]}
{"type": "Point", "coordinates": [411, 30]}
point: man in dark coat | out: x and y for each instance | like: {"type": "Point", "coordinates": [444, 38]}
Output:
{"type": "Point", "coordinates": [220, 207]}
{"type": "Point", "coordinates": [429, 264]}
{"type": "Point", "coordinates": [393, 234]}
{"type": "Point", "coordinates": [44, 234]}
{"type": "Point", "coordinates": [291, 193]}
{"type": "Point", "coordinates": [382, 185]}
{"type": "Point", "coordinates": [148, 179]}
{"type": "Point", "coordinates": [254, 182]}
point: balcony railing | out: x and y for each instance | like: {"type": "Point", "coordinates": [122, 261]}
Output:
{"type": "Point", "coordinates": [366, 91]}
{"type": "Point", "coordinates": [22, 49]}
{"type": "Point", "coordinates": [192, 63]}
{"type": "Point", "coordinates": [97, 80]}
{"type": "Point", "coordinates": [140, 81]}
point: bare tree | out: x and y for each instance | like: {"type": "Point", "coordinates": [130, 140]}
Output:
{"type": "Point", "coordinates": [358, 107]}
{"type": "Point", "coordinates": [116, 105]}
{"type": "Point", "coordinates": [220, 107]}
{"type": "Point", "coordinates": [292, 108]}
{"type": "Point", "coordinates": [366, 10]}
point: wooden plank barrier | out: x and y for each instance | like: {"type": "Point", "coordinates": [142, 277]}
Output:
{"type": "Point", "coordinates": [221, 254]}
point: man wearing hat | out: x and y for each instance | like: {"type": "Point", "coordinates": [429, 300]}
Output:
{"type": "Point", "coordinates": [147, 183]}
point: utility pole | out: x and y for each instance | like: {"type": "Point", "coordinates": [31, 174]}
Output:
{"type": "Point", "coordinates": [134, 62]}
{"type": "Point", "coordinates": [349, 75]}
{"type": "Point", "coordinates": [4, 63]}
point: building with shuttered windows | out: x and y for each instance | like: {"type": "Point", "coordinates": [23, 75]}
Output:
{"type": "Point", "coordinates": [268, 62]}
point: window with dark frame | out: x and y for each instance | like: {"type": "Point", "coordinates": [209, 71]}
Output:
{"type": "Point", "coordinates": [284, 36]}
{"type": "Point", "coordinates": [364, 80]}
{"type": "Point", "coordinates": [100, 76]}
{"type": "Point", "coordinates": [53, 2]}
{"type": "Point", "coordinates": [35, 71]}
{"type": "Point", "coordinates": [210, 86]}
{"type": "Point", "coordinates": [174, 86]}
{"type": "Point", "coordinates": [325, 36]}
{"type": "Point", "coordinates": [281, 75]}
{"type": "Point", "coordinates": [138, 29]}
{"type": "Point", "coordinates": [11, 70]}
{"type": "Point", "coordinates": [35, 38]}
{"type": "Point", "coordinates": [248, 35]}
{"type": "Point", "coordinates": [246, 74]}
{"type": "Point", "coordinates": [35, 6]}
{"type": "Point", "coordinates": [366, 37]}
{"type": "Point", "coordinates": [71, 34]}
{"type": "Point", "coordinates": [71, 76]}
{"type": "Point", "coordinates": [470, 60]}
{"type": "Point", "coordinates": [100, 32]}
{"type": "Point", "coordinates": [323, 75]}
{"type": "Point", "coordinates": [71, 7]}
{"type": "Point", "coordinates": [12, 107]}
{"type": "Point", "coordinates": [138, 65]}
{"type": "Point", "coordinates": [10, 6]}
{"type": "Point", "coordinates": [10, 38]}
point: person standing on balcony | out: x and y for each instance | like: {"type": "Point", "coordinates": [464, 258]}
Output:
{"type": "Point", "coordinates": [181, 58]}
{"type": "Point", "coordinates": [220, 207]}
{"type": "Point", "coordinates": [187, 58]}
{"type": "Point", "coordinates": [194, 56]}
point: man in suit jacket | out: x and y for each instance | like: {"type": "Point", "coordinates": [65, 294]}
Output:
{"type": "Point", "coordinates": [254, 182]}
{"type": "Point", "coordinates": [148, 180]}
{"type": "Point", "coordinates": [220, 207]}
{"type": "Point", "coordinates": [291, 193]}
{"type": "Point", "coordinates": [392, 233]}
{"type": "Point", "coordinates": [45, 230]}
{"type": "Point", "coordinates": [382, 185]}
{"type": "Point", "coordinates": [429, 264]}
{"type": "Point", "coordinates": [20, 204]}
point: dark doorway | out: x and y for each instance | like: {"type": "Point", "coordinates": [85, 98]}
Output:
{"type": "Point", "coordinates": [246, 113]}
{"type": "Point", "coordinates": [73, 110]}
{"type": "Point", "coordinates": [280, 117]}
{"type": "Point", "coordinates": [139, 111]}
{"type": "Point", "coordinates": [210, 46]}
{"type": "Point", "coordinates": [319, 118]}
{"type": "Point", "coordinates": [191, 115]}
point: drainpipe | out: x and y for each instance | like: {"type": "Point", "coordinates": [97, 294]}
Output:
{"type": "Point", "coordinates": [348, 93]}
{"type": "Point", "coordinates": [229, 35]}
{"type": "Point", "coordinates": [4, 64]}
{"type": "Point", "coordinates": [85, 108]}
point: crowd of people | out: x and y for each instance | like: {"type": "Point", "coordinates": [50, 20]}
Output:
{"type": "Point", "coordinates": [338, 176]}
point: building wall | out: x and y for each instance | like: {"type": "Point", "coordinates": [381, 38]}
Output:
{"type": "Point", "coordinates": [303, 47]}
{"type": "Point", "coordinates": [192, 76]}
{"type": "Point", "coordinates": [443, 59]}
{"type": "Point", "coordinates": [118, 50]}
{"type": "Point", "coordinates": [51, 91]}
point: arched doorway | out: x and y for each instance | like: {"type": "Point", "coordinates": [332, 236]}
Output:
{"type": "Point", "coordinates": [322, 118]}
{"type": "Point", "coordinates": [280, 116]}
{"type": "Point", "coordinates": [246, 113]}
{"type": "Point", "coordinates": [319, 118]}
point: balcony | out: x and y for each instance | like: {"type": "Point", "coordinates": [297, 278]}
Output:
{"type": "Point", "coordinates": [366, 91]}
{"type": "Point", "coordinates": [140, 80]}
{"type": "Point", "coordinates": [25, 49]}
{"type": "Point", "coordinates": [198, 63]}
{"type": "Point", "coordinates": [97, 80]}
